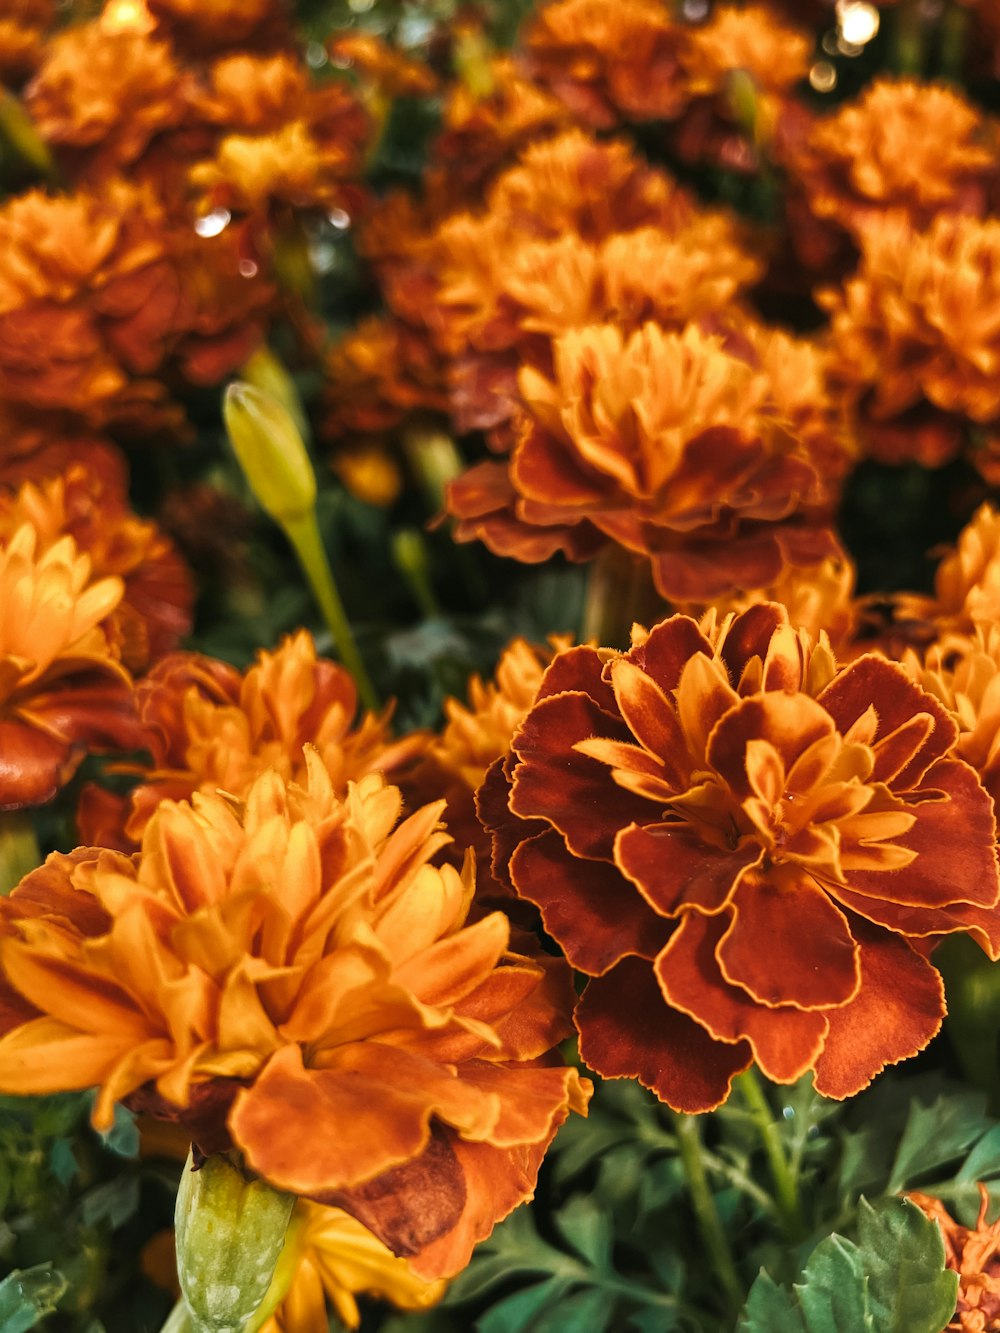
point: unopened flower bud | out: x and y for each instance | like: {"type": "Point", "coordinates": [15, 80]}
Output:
{"type": "Point", "coordinates": [230, 1232]}
{"type": "Point", "coordinates": [271, 452]}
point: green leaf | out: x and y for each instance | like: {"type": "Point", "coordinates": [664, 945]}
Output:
{"type": "Point", "coordinates": [123, 1136]}
{"type": "Point", "coordinates": [114, 1201]}
{"type": "Point", "coordinates": [27, 1295]}
{"type": "Point", "coordinates": [936, 1135]}
{"type": "Point", "coordinates": [893, 1280]}
{"type": "Point", "coordinates": [587, 1311]}
{"type": "Point", "coordinates": [587, 1227]}
{"type": "Point", "coordinates": [910, 1290]}
{"type": "Point", "coordinates": [516, 1313]}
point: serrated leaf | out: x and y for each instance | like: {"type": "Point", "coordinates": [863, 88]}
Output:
{"type": "Point", "coordinates": [123, 1136]}
{"type": "Point", "coordinates": [27, 1295]}
{"type": "Point", "coordinates": [833, 1293]}
{"type": "Point", "coordinates": [770, 1309]}
{"type": "Point", "coordinates": [902, 1250]}
{"type": "Point", "coordinates": [114, 1202]}
{"type": "Point", "coordinates": [517, 1313]}
{"type": "Point", "coordinates": [587, 1227]}
{"type": "Point", "coordinates": [937, 1134]}
{"type": "Point", "coordinates": [983, 1162]}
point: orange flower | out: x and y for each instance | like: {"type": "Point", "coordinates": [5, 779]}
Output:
{"type": "Point", "coordinates": [916, 330]}
{"type": "Point", "coordinates": [23, 28]}
{"type": "Point", "coordinates": [201, 26]}
{"type": "Point", "coordinates": [290, 974]}
{"type": "Point", "coordinates": [748, 851]}
{"type": "Point", "coordinates": [92, 507]}
{"type": "Point", "coordinates": [209, 728]}
{"type": "Point", "coordinates": [966, 582]}
{"type": "Point", "coordinates": [608, 63]}
{"type": "Point", "coordinates": [62, 688]}
{"type": "Point", "coordinates": [749, 38]}
{"type": "Point", "coordinates": [706, 460]}
{"type": "Point", "coordinates": [964, 673]}
{"type": "Point", "coordinates": [913, 147]}
{"type": "Point", "coordinates": [378, 373]}
{"type": "Point", "coordinates": [338, 1260]}
{"type": "Point", "coordinates": [383, 69]}
{"type": "Point", "coordinates": [972, 1253]}
{"type": "Point", "coordinates": [101, 97]}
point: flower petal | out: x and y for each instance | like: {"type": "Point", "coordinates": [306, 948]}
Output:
{"type": "Point", "coordinates": [627, 1031]}
{"type": "Point", "coordinates": [673, 868]}
{"type": "Point", "coordinates": [895, 1014]}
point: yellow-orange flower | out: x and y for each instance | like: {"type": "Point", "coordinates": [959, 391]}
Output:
{"type": "Point", "coordinates": [63, 689]}
{"type": "Point", "coordinates": [92, 507]}
{"type": "Point", "coordinates": [384, 71]}
{"type": "Point", "coordinates": [713, 461]}
{"type": "Point", "coordinates": [340, 1259]}
{"type": "Point", "coordinates": [966, 582]}
{"type": "Point", "coordinates": [917, 328]}
{"type": "Point", "coordinates": [608, 63]}
{"type": "Point", "coordinates": [101, 97]}
{"type": "Point", "coordinates": [964, 673]}
{"type": "Point", "coordinates": [748, 850]}
{"type": "Point", "coordinates": [290, 974]}
{"type": "Point", "coordinates": [913, 147]}
{"type": "Point", "coordinates": [201, 26]}
{"type": "Point", "coordinates": [23, 27]}
{"type": "Point", "coordinates": [210, 728]}
{"type": "Point", "coordinates": [747, 38]}
{"type": "Point", "coordinates": [974, 1254]}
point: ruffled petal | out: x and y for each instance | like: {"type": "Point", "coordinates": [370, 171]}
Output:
{"type": "Point", "coordinates": [673, 868]}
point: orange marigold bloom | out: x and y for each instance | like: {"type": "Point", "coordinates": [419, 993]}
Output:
{"type": "Point", "coordinates": [338, 1260]}
{"type": "Point", "coordinates": [92, 507]}
{"type": "Point", "coordinates": [101, 97]}
{"type": "Point", "coordinates": [717, 466]}
{"type": "Point", "coordinates": [608, 63]}
{"type": "Point", "coordinates": [291, 974]}
{"type": "Point", "coordinates": [382, 67]}
{"type": "Point", "coordinates": [23, 28]}
{"type": "Point", "coordinates": [63, 689]}
{"type": "Point", "coordinates": [210, 727]}
{"type": "Point", "coordinates": [964, 673]}
{"type": "Point", "coordinates": [747, 849]}
{"type": "Point", "coordinates": [913, 147]}
{"type": "Point", "coordinates": [749, 38]}
{"type": "Point", "coordinates": [917, 328]}
{"type": "Point", "coordinates": [966, 582]}
{"type": "Point", "coordinates": [974, 1254]}
{"type": "Point", "coordinates": [202, 26]}
{"type": "Point", "coordinates": [377, 374]}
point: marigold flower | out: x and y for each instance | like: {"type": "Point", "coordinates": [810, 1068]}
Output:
{"type": "Point", "coordinates": [155, 610]}
{"type": "Point", "coordinates": [212, 728]}
{"type": "Point", "coordinates": [673, 446]}
{"type": "Point", "coordinates": [289, 973]}
{"type": "Point", "coordinates": [383, 68]}
{"type": "Point", "coordinates": [917, 328]}
{"type": "Point", "coordinates": [913, 147]}
{"type": "Point", "coordinates": [377, 374]}
{"type": "Point", "coordinates": [23, 28]}
{"type": "Point", "coordinates": [103, 96]}
{"type": "Point", "coordinates": [966, 582]}
{"type": "Point", "coordinates": [608, 63]}
{"type": "Point", "coordinates": [62, 688]}
{"type": "Point", "coordinates": [750, 38]}
{"type": "Point", "coordinates": [972, 1253]}
{"type": "Point", "coordinates": [963, 672]}
{"type": "Point", "coordinates": [340, 1259]}
{"type": "Point", "coordinates": [202, 26]}
{"type": "Point", "coordinates": [748, 851]}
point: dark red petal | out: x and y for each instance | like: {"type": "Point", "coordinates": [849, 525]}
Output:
{"type": "Point", "coordinates": [628, 1031]}
{"type": "Point", "coordinates": [587, 907]}
{"type": "Point", "coordinates": [575, 793]}
{"type": "Point", "coordinates": [580, 669]}
{"type": "Point", "coordinates": [672, 867]}
{"type": "Point", "coordinates": [897, 1011]}
{"type": "Point", "coordinates": [749, 636]}
{"type": "Point", "coordinates": [33, 764]}
{"type": "Point", "coordinates": [507, 830]}
{"type": "Point", "coordinates": [790, 722]}
{"type": "Point", "coordinates": [948, 868]}
{"type": "Point", "coordinates": [782, 913]}
{"type": "Point", "coordinates": [873, 681]}
{"type": "Point", "coordinates": [668, 647]}
{"type": "Point", "coordinates": [785, 1041]}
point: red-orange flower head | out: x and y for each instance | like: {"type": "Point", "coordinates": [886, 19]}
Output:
{"type": "Point", "coordinates": [291, 975]}
{"type": "Point", "coordinates": [102, 96]}
{"type": "Point", "coordinates": [974, 1254]}
{"type": "Point", "coordinates": [210, 728]}
{"type": "Point", "coordinates": [748, 850]}
{"type": "Point", "coordinates": [706, 458]}
{"type": "Point", "coordinates": [608, 62]}
{"type": "Point", "coordinates": [63, 689]}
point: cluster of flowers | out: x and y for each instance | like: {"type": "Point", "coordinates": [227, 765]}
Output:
{"type": "Point", "coordinates": [274, 916]}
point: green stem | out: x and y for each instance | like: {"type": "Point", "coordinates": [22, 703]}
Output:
{"type": "Point", "coordinates": [178, 1320]}
{"type": "Point", "coordinates": [954, 38]}
{"type": "Point", "coordinates": [709, 1222]}
{"type": "Point", "coordinates": [409, 551]}
{"type": "Point", "coordinates": [620, 592]}
{"type": "Point", "coordinates": [304, 535]}
{"type": "Point", "coordinates": [19, 852]}
{"type": "Point", "coordinates": [786, 1185]}
{"type": "Point", "coordinates": [909, 38]}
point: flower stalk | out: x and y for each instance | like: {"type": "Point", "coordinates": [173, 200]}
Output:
{"type": "Point", "coordinates": [269, 447]}
{"type": "Point", "coordinates": [786, 1185]}
{"type": "Point", "coordinates": [707, 1215]}
{"type": "Point", "coordinates": [19, 851]}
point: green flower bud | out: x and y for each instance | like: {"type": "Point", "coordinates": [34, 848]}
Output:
{"type": "Point", "coordinates": [270, 450]}
{"type": "Point", "coordinates": [230, 1233]}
